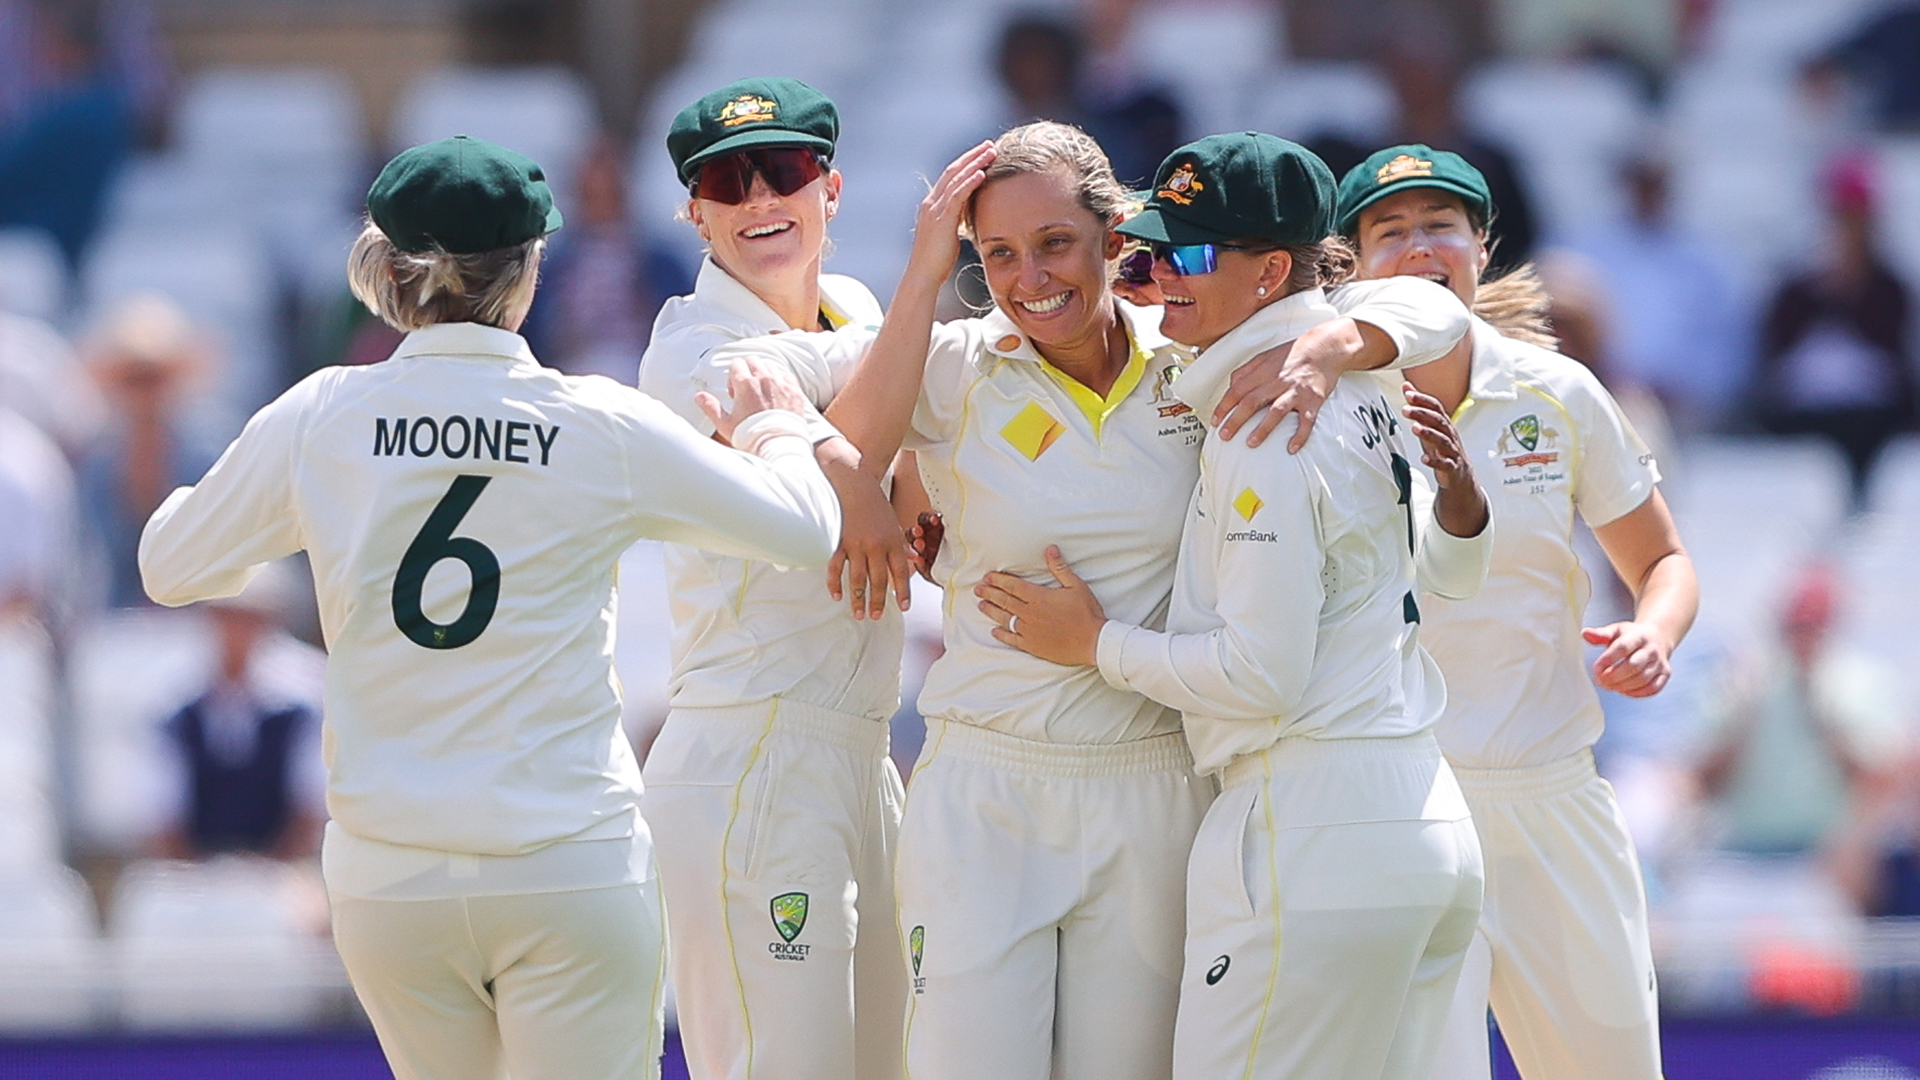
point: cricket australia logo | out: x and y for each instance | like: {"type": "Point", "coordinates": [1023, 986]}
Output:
{"type": "Point", "coordinates": [747, 109]}
{"type": "Point", "coordinates": [916, 944]}
{"type": "Point", "coordinates": [1403, 167]}
{"type": "Point", "coordinates": [789, 918]}
{"type": "Point", "coordinates": [1528, 432]}
{"type": "Point", "coordinates": [1182, 186]}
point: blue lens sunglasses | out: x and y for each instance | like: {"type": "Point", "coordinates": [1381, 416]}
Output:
{"type": "Point", "coordinates": [1136, 268]}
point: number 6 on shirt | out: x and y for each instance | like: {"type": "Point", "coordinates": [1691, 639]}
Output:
{"type": "Point", "coordinates": [434, 542]}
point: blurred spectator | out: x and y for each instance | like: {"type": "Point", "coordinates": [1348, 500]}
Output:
{"type": "Point", "coordinates": [1800, 738]}
{"type": "Point", "coordinates": [1639, 35]}
{"type": "Point", "coordinates": [1673, 326]}
{"type": "Point", "coordinates": [1834, 343]}
{"type": "Point", "coordinates": [133, 49]}
{"type": "Point", "coordinates": [42, 380]}
{"type": "Point", "coordinates": [59, 155]}
{"type": "Point", "coordinates": [145, 358]}
{"type": "Point", "coordinates": [1360, 29]}
{"type": "Point", "coordinates": [1880, 62]}
{"type": "Point", "coordinates": [602, 282]}
{"type": "Point", "coordinates": [1425, 60]}
{"type": "Point", "coordinates": [36, 502]}
{"type": "Point", "coordinates": [1043, 65]}
{"type": "Point", "coordinates": [245, 754]}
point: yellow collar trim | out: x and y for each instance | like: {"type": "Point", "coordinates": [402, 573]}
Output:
{"type": "Point", "coordinates": [1098, 408]}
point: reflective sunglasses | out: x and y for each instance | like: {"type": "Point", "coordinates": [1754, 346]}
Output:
{"type": "Point", "coordinates": [1136, 268]}
{"type": "Point", "coordinates": [728, 178]}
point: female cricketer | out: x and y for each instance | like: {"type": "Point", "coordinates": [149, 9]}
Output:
{"type": "Point", "coordinates": [1335, 883]}
{"type": "Point", "coordinates": [1049, 819]}
{"type": "Point", "coordinates": [1562, 950]}
{"type": "Point", "coordinates": [774, 803]}
{"type": "Point", "coordinates": [464, 509]}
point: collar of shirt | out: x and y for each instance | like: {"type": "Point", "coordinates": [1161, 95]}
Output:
{"type": "Point", "coordinates": [727, 294]}
{"type": "Point", "coordinates": [1004, 339]}
{"type": "Point", "coordinates": [1492, 376]}
{"type": "Point", "coordinates": [465, 339]}
{"type": "Point", "coordinates": [1205, 380]}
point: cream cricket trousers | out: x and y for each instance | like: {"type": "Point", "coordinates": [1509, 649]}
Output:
{"type": "Point", "coordinates": [1331, 896]}
{"type": "Point", "coordinates": [540, 986]}
{"type": "Point", "coordinates": [773, 826]}
{"type": "Point", "coordinates": [1562, 951]}
{"type": "Point", "coordinates": [1040, 890]}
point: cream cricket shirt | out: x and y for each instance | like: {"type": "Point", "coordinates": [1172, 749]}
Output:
{"type": "Point", "coordinates": [464, 508]}
{"type": "Point", "coordinates": [1293, 608]}
{"type": "Point", "coordinates": [1547, 440]}
{"type": "Point", "coordinates": [744, 630]}
{"type": "Point", "coordinates": [1016, 456]}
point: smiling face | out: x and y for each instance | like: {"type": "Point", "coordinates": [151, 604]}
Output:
{"type": "Point", "coordinates": [1423, 232]}
{"type": "Point", "coordinates": [1202, 308]}
{"type": "Point", "coordinates": [1045, 257]}
{"type": "Point", "coordinates": [770, 242]}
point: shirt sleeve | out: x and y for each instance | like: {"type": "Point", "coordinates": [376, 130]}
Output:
{"type": "Point", "coordinates": [1446, 565]}
{"type": "Point", "coordinates": [1617, 472]}
{"type": "Point", "coordinates": [821, 361]}
{"type": "Point", "coordinates": [209, 540]}
{"type": "Point", "coordinates": [1257, 663]}
{"type": "Point", "coordinates": [950, 374]}
{"type": "Point", "coordinates": [1422, 318]}
{"type": "Point", "coordinates": [766, 500]}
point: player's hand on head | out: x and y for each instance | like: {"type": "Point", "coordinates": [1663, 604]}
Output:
{"type": "Point", "coordinates": [1636, 662]}
{"type": "Point", "coordinates": [1059, 622]}
{"type": "Point", "coordinates": [755, 386]}
{"type": "Point", "coordinates": [873, 555]}
{"type": "Point", "coordinates": [936, 231]}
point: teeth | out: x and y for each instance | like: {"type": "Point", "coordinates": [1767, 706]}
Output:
{"type": "Point", "coordinates": [767, 230]}
{"type": "Point", "coordinates": [1177, 301]}
{"type": "Point", "coordinates": [1050, 304]}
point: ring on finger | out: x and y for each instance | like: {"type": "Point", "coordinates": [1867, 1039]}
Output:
{"type": "Point", "coordinates": [1013, 625]}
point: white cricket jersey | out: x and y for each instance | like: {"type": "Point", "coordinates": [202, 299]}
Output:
{"type": "Point", "coordinates": [1293, 610]}
{"type": "Point", "coordinates": [1016, 456]}
{"type": "Point", "coordinates": [464, 509]}
{"type": "Point", "coordinates": [744, 630]}
{"type": "Point", "coordinates": [1546, 439]}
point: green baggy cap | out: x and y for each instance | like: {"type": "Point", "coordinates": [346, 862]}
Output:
{"type": "Point", "coordinates": [749, 113]}
{"type": "Point", "coordinates": [1245, 185]}
{"type": "Point", "coordinates": [463, 196]}
{"type": "Point", "coordinates": [1410, 165]}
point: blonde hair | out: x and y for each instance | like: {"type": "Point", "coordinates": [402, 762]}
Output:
{"type": "Point", "coordinates": [411, 290]}
{"type": "Point", "coordinates": [1516, 304]}
{"type": "Point", "coordinates": [1047, 146]}
{"type": "Point", "coordinates": [1320, 265]}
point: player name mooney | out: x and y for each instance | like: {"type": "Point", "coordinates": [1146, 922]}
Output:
{"type": "Point", "coordinates": [463, 437]}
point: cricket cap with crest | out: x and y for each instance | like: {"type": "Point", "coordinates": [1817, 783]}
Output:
{"type": "Point", "coordinates": [1410, 165]}
{"type": "Point", "coordinates": [1246, 185]}
{"type": "Point", "coordinates": [748, 114]}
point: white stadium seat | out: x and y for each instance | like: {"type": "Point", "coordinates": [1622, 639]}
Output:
{"type": "Point", "coordinates": [49, 977]}
{"type": "Point", "coordinates": [544, 113]}
{"type": "Point", "coordinates": [33, 274]}
{"type": "Point", "coordinates": [1571, 125]}
{"type": "Point", "coordinates": [1303, 99]}
{"type": "Point", "coordinates": [225, 945]}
